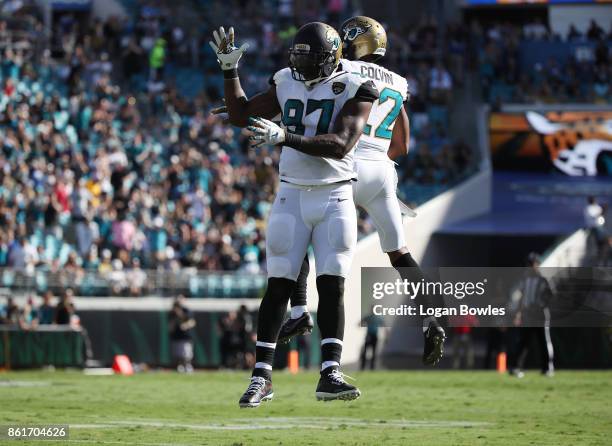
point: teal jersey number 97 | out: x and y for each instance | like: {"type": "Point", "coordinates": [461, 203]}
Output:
{"type": "Point", "coordinates": [293, 115]}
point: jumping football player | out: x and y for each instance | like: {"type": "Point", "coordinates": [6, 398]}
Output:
{"type": "Point", "coordinates": [385, 136]}
{"type": "Point", "coordinates": [324, 110]}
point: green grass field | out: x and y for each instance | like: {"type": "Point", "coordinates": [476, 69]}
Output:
{"type": "Point", "coordinates": [397, 408]}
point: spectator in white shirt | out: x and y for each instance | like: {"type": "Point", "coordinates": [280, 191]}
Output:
{"type": "Point", "coordinates": [593, 214]}
{"type": "Point", "coordinates": [594, 222]}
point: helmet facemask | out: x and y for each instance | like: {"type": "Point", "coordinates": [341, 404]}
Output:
{"type": "Point", "coordinates": [308, 66]}
{"type": "Point", "coordinates": [315, 53]}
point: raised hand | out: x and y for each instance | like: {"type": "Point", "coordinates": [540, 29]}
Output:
{"type": "Point", "coordinates": [227, 53]}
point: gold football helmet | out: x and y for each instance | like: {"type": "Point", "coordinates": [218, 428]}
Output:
{"type": "Point", "coordinates": [363, 37]}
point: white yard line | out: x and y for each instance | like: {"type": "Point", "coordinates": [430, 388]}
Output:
{"type": "Point", "coordinates": [11, 383]}
{"type": "Point", "coordinates": [243, 424]}
{"type": "Point", "coordinates": [74, 440]}
{"type": "Point", "coordinates": [236, 424]}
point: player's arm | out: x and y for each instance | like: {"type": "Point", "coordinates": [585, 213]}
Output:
{"type": "Point", "coordinates": [347, 129]}
{"type": "Point", "coordinates": [238, 106]}
{"type": "Point", "coordinates": [400, 139]}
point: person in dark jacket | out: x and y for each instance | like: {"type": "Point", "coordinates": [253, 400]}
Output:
{"type": "Point", "coordinates": [181, 324]}
{"type": "Point", "coordinates": [532, 319]}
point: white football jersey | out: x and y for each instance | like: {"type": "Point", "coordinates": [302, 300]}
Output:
{"type": "Point", "coordinates": [313, 111]}
{"type": "Point", "coordinates": [393, 88]}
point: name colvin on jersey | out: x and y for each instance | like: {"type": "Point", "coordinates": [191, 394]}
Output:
{"type": "Point", "coordinates": [377, 73]}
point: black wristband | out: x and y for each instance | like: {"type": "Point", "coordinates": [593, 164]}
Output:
{"type": "Point", "coordinates": [230, 74]}
{"type": "Point", "coordinates": [293, 140]}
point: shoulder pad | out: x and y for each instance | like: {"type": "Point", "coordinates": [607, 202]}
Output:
{"type": "Point", "coordinates": [353, 82]}
{"type": "Point", "coordinates": [403, 86]}
{"type": "Point", "coordinates": [280, 76]}
{"type": "Point", "coordinates": [350, 66]}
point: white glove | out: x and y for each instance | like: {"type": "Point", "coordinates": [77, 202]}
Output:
{"type": "Point", "coordinates": [223, 46]}
{"type": "Point", "coordinates": [265, 132]}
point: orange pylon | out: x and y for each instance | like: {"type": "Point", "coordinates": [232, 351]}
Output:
{"type": "Point", "coordinates": [501, 362]}
{"type": "Point", "coordinates": [293, 361]}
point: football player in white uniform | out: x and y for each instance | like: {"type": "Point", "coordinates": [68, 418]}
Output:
{"type": "Point", "coordinates": [324, 110]}
{"type": "Point", "coordinates": [385, 136]}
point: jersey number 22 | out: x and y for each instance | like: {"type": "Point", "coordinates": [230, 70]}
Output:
{"type": "Point", "coordinates": [384, 129]}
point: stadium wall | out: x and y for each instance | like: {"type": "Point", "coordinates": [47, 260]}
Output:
{"type": "Point", "coordinates": [136, 327]}
{"type": "Point", "coordinates": [570, 252]}
{"type": "Point", "coordinates": [47, 345]}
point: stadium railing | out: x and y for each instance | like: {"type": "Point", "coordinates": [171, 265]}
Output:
{"type": "Point", "coordinates": [136, 283]}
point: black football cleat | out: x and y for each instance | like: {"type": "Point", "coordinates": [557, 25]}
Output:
{"type": "Point", "coordinates": [294, 327]}
{"type": "Point", "coordinates": [433, 346]}
{"type": "Point", "coordinates": [332, 386]}
{"type": "Point", "coordinates": [259, 390]}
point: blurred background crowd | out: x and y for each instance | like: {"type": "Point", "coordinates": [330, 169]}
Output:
{"type": "Point", "coordinates": [110, 160]}
{"type": "Point", "coordinates": [107, 166]}
{"type": "Point", "coordinates": [502, 64]}
{"type": "Point", "coordinates": [46, 310]}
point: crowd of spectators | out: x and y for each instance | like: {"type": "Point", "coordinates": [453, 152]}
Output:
{"type": "Point", "coordinates": [105, 166]}
{"type": "Point", "coordinates": [46, 310]}
{"type": "Point", "coordinates": [580, 72]}
{"type": "Point", "coordinates": [435, 68]}
{"type": "Point", "coordinates": [99, 177]}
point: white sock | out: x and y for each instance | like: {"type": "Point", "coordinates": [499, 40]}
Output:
{"type": "Point", "coordinates": [327, 364]}
{"type": "Point", "coordinates": [263, 365]}
{"type": "Point", "coordinates": [297, 311]}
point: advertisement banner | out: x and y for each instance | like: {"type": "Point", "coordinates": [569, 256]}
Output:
{"type": "Point", "coordinates": [575, 143]}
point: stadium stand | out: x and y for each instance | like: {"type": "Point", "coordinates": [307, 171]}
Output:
{"type": "Point", "coordinates": [530, 64]}
{"type": "Point", "coordinates": [86, 193]}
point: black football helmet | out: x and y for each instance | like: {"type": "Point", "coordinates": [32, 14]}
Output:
{"type": "Point", "coordinates": [315, 52]}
